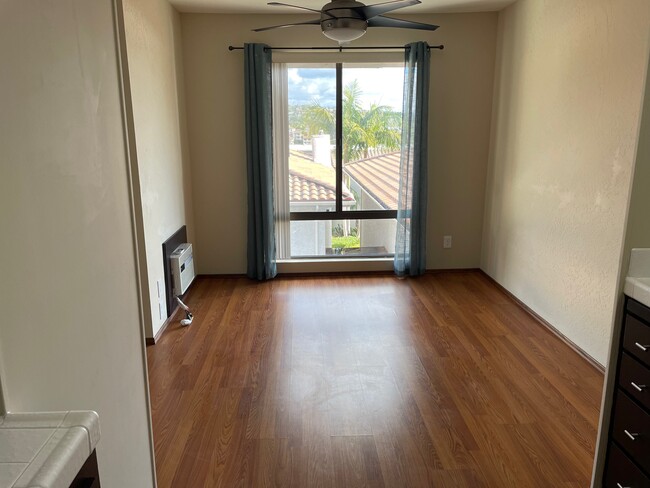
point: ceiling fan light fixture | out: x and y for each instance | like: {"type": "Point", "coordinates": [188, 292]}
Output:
{"type": "Point", "coordinates": [344, 30]}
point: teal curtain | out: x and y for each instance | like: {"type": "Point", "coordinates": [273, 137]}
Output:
{"type": "Point", "coordinates": [410, 242]}
{"type": "Point", "coordinates": [259, 160]}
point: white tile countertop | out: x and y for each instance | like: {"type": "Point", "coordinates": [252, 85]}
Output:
{"type": "Point", "coordinates": [45, 450]}
{"type": "Point", "coordinates": [637, 282]}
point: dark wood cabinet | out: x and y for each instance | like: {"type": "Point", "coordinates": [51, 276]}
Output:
{"type": "Point", "coordinates": [631, 428]}
{"type": "Point", "coordinates": [88, 476]}
{"type": "Point", "coordinates": [628, 452]}
{"type": "Point", "coordinates": [634, 378]}
{"type": "Point", "coordinates": [621, 472]}
{"type": "Point", "coordinates": [636, 338]}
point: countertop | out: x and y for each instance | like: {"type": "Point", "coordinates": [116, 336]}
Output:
{"type": "Point", "coordinates": [637, 282]}
{"type": "Point", "coordinates": [45, 450]}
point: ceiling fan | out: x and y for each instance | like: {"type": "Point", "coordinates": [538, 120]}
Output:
{"type": "Point", "coordinates": [347, 20]}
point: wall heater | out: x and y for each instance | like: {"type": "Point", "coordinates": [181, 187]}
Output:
{"type": "Point", "coordinates": [182, 268]}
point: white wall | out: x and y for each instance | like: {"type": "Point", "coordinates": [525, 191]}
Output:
{"type": "Point", "coordinates": [71, 329]}
{"type": "Point", "coordinates": [460, 111]}
{"type": "Point", "coordinates": [153, 38]}
{"type": "Point", "coordinates": [568, 89]}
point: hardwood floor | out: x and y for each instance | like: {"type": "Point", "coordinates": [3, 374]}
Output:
{"type": "Point", "coordinates": [368, 381]}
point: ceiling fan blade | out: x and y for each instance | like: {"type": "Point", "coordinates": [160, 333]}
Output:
{"type": "Point", "coordinates": [280, 4]}
{"type": "Point", "coordinates": [381, 21]}
{"type": "Point", "coordinates": [308, 22]}
{"type": "Point", "coordinates": [370, 11]}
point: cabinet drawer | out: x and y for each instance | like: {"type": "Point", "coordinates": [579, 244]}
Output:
{"type": "Point", "coordinates": [638, 309]}
{"type": "Point", "coordinates": [621, 472]}
{"type": "Point", "coordinates": [631, 429]}
{"type": "Point", "coordinates": [637, 338]}
{"type": "Point", "coordinates": [634, 378]}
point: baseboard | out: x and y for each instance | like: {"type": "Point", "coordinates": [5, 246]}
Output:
{"type": "Point", "coordinates": [337, 274]}
{"type": "Point", "coordinates": [540, 320]}
{"type": "Point", "coordinates": [313, 274]}
{"type": "Point", "coordinates": [452, 270]}
{"type": "Point", "coordinates": [221, 276]}
{"type": "Point", "coordinates": [151, 341]}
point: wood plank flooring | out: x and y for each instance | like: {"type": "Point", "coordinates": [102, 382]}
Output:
{"type": "Point", "coordinates": [368, 381]}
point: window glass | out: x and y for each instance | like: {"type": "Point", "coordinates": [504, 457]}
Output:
{"type": "Point", "coordinates": [343, 238]}
{"type": "Point", "coordinates": [312, 133]}
{"type": "Point", "coordinates": [372, 126]}
{"type": "Point", "coordinates": [370, 101]}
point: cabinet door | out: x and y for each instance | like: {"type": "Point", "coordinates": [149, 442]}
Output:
{"type": "Point", "coordinates": [620, 472]}
{"type": "Point", "coordinates": [631, 429]}
{"type": "Point", "coordinates": [636, 340]}
{"type": "Point", "coordinates": [634, 378]}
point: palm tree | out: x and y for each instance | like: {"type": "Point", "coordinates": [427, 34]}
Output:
{"type": "Point", "coordinates": [378, 127]}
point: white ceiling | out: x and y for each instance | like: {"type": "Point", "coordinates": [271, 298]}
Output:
{"type": "Point", "coordinates": [260, 7]}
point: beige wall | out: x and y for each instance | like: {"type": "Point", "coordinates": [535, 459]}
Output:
{"type": "Point", "coordinates": [460, 110]}
{"type": "Point", "coordinates": [153, 40]}
{"type": "Point", "coordinates": [71, 329]}
{"type": "Point", "coordinates": [568, 87]}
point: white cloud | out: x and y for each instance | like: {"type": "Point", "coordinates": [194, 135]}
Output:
{"type": "Point", "coordinates": [294, 77]}
{"type": "Point", "coordinates": [381, 86]}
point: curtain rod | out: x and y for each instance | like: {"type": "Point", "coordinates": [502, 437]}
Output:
{"type": "Point", "coordinates": [332, 48]}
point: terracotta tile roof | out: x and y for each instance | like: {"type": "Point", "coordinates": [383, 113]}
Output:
{"type": "Point", "coordinates": [303, 190]}
{"type": "Point", "coordinates": [379, 176]}
{"type": "Point", "coordinates": [312, 182]}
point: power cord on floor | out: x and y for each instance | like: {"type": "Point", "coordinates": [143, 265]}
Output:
{"type": "Point", "coordinates": [188, 314]}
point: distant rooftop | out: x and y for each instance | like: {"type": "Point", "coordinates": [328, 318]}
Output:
{"type": "Point", "coordinates": [312, 182]}
{"type": "Point", "coordinates": [378, 176]}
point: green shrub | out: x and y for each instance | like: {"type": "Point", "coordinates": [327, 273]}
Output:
{"type": "Point", "coordinates": [345, 242]}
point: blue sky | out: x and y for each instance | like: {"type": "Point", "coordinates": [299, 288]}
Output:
{"type": "Point", "coordinates": [379, 85]}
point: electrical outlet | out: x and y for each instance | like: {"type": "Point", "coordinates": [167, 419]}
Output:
{"type": "Point", "coordinates": [160, 288]}
{"type": "Point", "coordinates": [446, 242]}
{"type": "Point", "coordinates": [160, 311]}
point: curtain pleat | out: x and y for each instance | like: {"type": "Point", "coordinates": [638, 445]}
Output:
{"type": "Point", "coordinates": [410, 241]}
{"type": "Point", "coordinates": [259, 161]}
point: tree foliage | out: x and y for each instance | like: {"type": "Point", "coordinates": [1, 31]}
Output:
{"type": "Point", "coordinates": [378, 127]}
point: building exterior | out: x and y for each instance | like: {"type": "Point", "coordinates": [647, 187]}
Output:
{"type": "Point", "coordinates": [376, 181]}
{"type": "Point", "coordinates": [312, 188]}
